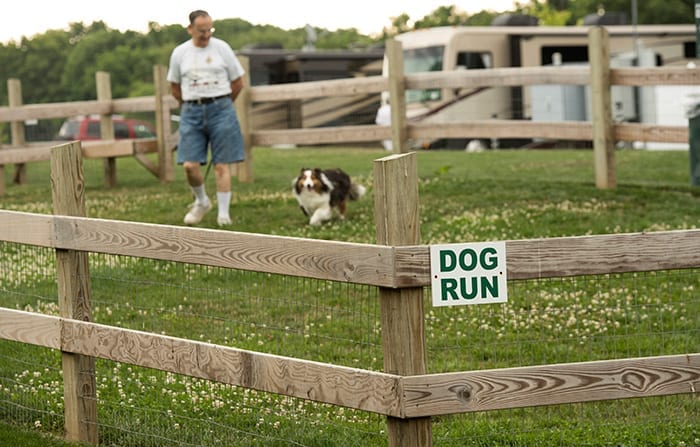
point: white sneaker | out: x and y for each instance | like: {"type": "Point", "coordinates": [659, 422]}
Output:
{"type": "Point", "coordinates": [223, 220]}
{"type": "Point", "coordinates": [196, 213]}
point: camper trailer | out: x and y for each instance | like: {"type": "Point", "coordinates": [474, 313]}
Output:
{"type": "Point", "coordinates": [482, 48]}
{"type": "Point", "coordinates": [269, 66]}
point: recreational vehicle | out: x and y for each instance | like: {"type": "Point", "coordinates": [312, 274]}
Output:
{"type": "Point", "coordinates": [479, 48]}
{"type": "Point", "coordinates": [269, 66]}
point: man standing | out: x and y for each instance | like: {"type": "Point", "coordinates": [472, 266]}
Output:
{"type": "Point", "coordinates": [206, 77]}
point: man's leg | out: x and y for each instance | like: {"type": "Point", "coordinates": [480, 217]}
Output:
{"type": "Point", "coordinates": [223, 192]}
{"type": "Point", "coordinates": [226, 148]}
{"type": "Point", "coordinates": [191, 154]}
{"type": "Point", "coordinates": [202, 204]}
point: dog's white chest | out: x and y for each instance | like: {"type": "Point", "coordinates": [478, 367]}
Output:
{"type": "Point", "coordinates": [312, 200]}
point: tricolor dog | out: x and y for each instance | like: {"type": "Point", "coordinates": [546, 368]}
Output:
{"type": "Point", "coordinates": [320, 191]}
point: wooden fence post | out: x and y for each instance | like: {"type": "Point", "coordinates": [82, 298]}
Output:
{"type": "Point", "coordinates": [104, 93]}
{"type": "Point", "coordinates": [397, 96]}
{"type": "Point", "coordinates": [14, 99]}
{"type": "Point", "coordinates": [603, 124]}
{"type": "Point", "coordinates": [166, 170]}
{"type": "Point", "coordinates": [402, 315]}
{"type": "Point", "coordinates": [72, 278]}
{"type": "Point", "coordinates": [244, 110]}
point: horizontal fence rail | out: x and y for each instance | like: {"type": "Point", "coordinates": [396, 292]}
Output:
{"type": "Point", "coordinates": [378, 265]}
{"type": "Point", "coordinates": [497, 77]}
{"type": "Point", "coordinates": [500, 389]}
{"type": "Point", "coordinates": [64, 109]}
{"type": "Point", "coordinates": [338, 385]}
{"type": "Point", "coordinates": [91, 149]}
{"type": "Point", "coordinates": [386, 394]}
{"type": "Point", "coordinates": [338, 261]}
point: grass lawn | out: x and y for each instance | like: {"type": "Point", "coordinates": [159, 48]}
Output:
{"type": "Point", "coordinates": [11, 435]}
{"type": "Point", "coordinates": [465, 197]}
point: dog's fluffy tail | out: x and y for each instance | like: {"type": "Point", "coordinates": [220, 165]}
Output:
{"type": "Point", "coordinates": [356, 191]}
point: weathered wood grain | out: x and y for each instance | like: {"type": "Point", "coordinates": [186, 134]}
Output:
{"type": "Point", "coordinates": [402, 314]}
{"type": "Point", "coordinates": [75, 108]}
{"type": "Point", "coordinates": [611, 253]}
{"type": "Point", "coordinates": [340, 261]}
{"type": "Point", "coordinates": [655, 76]}
{"type": "Point", "coordinates": [91, 149]}
{"type": "Point", "coordinates": [26, 228]}
{"type": "Point", "coordinates": [438, 394]}
{"type": "Point", "coordinates": [337, 385]}
{"type": "Point", "coordinates": [503, 129]}
{"type": "Point", "coordinates": [401, 266]}
{"type": "Point", "coordinates": [350, 387]}
{"type": "Point", "coordinates": [73, 284]}
{"type": "Point", "coordinates": [574, 256]}
{"type": "Point", "coordinates": [601, 109]}
{"type": "Point", "coordinates": [396, 396]}
{"type": "Point", "coordinates": [304, 90]}
{"type": "Point", "coordinates": [31, 328]}
{"type": "Point", "coordinates": [498, 77]}
{"type": "Point", "coordinates": [651, 132]}
{"type": "Point", "coordinates": [324, 135]}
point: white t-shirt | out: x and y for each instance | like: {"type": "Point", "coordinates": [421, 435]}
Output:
{"type": "Point", "coordinates": [204, 72]}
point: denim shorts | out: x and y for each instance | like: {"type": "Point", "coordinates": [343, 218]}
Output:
{"type": "Point", "coordinates": [214, 123]}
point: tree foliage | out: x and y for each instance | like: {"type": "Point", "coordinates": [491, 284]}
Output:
{"type": "Point", "coordinates": [60, 65]}
{"type": "Point", "coordinates": [649, 11]}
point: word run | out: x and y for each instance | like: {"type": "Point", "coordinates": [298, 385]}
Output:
{"type": "Point", "coordinates": [468, 274]}
{"type": "Point", "coordinates": [468, 260]}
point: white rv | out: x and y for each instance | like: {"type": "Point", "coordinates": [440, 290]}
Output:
{"type": "Point", "coordinates": [477, 48]}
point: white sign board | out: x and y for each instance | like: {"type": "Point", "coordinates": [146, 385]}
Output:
{"type": "Point", "coordinates": [468, 273]}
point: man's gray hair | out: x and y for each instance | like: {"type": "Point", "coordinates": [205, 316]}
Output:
{"type": "Point", "coordinates": [197, 13]}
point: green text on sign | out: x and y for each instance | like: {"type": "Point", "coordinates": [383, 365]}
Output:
{"type": "Point", "coordinates": [468, 273]}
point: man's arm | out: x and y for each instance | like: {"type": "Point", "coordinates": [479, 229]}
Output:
{"type": "Point", "coordinates": [176, 91]}
{"type": "Point", "coordinates": [236, 87]}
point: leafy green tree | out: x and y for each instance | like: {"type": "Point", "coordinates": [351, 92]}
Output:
{"type": "Point", "coordinates": [649, 11]}
{"type": "Point", "coordinates": [348, 38]}
{"type": "Point", "coordinates": [60, 65]}
{"type": "Point", "coordinates": [399, 24]}
{"type": "Point", "coordinates": [443, 16]}
{"type": "Point", "coordinates": [38, 63]}
{"type": "Point", "coordinates": [123, 55]}
{"type": "Point", "coordinates": [481, 18]}
{"type": "Point", "coordinates": [546, 12]}
{"type": "Point", "coordinates": [165, 35]}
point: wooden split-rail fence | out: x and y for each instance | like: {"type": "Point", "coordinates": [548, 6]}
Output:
{"type": "Point", "coordinates": [404, 392]}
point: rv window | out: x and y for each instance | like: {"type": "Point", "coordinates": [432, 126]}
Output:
{"type": "Point", "coordinates": [473, 60]}
{"type": "Point", "coordinates": [418, 60]}
{"type": "Point", "coordinates": [568, 54]}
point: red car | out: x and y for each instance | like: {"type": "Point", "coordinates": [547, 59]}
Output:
{"type": "Point", "coordinates": [88, 128]}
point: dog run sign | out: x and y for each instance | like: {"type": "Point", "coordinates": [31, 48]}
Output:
{"type": "Point", "coordinates": [468, 273]}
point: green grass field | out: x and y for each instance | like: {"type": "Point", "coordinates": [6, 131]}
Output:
{"type": "Point", "coordinates": [465, 197]}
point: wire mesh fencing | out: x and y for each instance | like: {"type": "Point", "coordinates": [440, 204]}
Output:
{"type": "Point", "coordinates": [545, 321]}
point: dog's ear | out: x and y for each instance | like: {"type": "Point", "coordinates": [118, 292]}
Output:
{"type": "Point", "coordinates": [317, 172]}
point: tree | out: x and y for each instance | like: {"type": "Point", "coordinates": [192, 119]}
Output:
{"type": "Point", "coordinates": [38, 63]}
{"type": "Point", "coordinates": [123, 55]}
{"type": "Point", "coordinates": [649, 11]}
{"type": "Point", "coordinates": [399, 24]}
{"type": "Point", "coordinates": [546, 12]}
{"type": "Point", "coordinates": [481, 18]}
{"type": "Point", "coordinates": [443, 16]}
